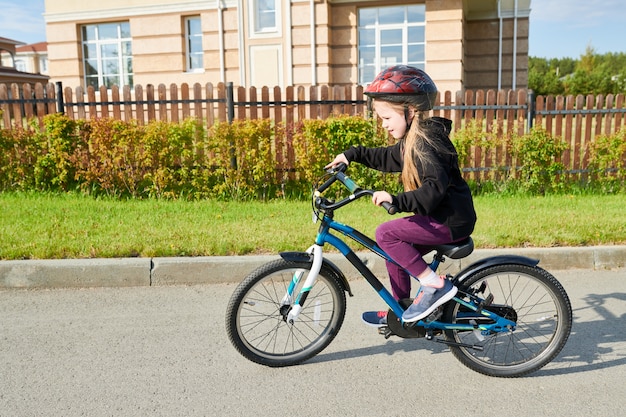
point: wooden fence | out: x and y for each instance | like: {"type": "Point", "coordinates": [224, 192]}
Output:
{"type": "Point", "coordinates": [578, 120]}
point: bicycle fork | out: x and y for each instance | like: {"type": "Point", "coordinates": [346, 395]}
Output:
{"type": "Point", "coordinates": [316, 266]}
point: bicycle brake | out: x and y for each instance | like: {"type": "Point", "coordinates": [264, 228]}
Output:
{"type": "Point", "coordinates": [486, 302]}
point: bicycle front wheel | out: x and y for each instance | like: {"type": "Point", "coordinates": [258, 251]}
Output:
{"type": "Point", "coordinates": [531, 297]}
{"type": "Point", "coordinates": [256, 316]}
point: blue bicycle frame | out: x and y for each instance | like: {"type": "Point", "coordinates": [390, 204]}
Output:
{"type": "Point", "coordinates": [315, 255]}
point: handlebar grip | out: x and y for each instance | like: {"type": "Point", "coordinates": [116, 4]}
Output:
{"type": "Point", "coordinates": [327, 184]}
{"type": "Point", "coordinates": [391, 209]}
{"type": "Point", "coordinates": [338, 168]}
{"type": "Point", "coordinates": [336, 171]}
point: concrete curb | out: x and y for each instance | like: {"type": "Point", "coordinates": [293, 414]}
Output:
{"type": "Point", "coordinates": [128, 272]}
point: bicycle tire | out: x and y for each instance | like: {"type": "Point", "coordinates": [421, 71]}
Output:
{"type": "Point", "coordinates": [534, 299]}
{"type": "Point", "coordinates": [256, 322]}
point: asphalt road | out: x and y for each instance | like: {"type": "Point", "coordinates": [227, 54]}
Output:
{"type": "Point", "coordinates": [163, 351]}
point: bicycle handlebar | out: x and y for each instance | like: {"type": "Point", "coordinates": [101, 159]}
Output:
{"type": "Point", "coordinates": [338, 173]}
{"type": "Point", "coordinates": [391, 209]}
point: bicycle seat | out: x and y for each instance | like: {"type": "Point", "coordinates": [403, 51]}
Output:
{"type": "Point", "coordinates": [456, 250]}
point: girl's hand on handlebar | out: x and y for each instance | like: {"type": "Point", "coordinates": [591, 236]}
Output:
{"type": "Point", "coordinates": [380, 197]}
{"type": "Point", "coordinates": [339, 159]}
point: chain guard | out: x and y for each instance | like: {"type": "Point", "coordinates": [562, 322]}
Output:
{"type": "Point", "coordinates": [395, 327]}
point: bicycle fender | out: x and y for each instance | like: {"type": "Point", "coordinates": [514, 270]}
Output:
{"type": "Point", "coordinates": [328, 265]}
{"type": "Point", "coordinates": [492, 261]}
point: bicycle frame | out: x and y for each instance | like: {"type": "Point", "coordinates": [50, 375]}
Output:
{"type": "Point", "coordinates": [324, 236]}
{"type": "Point", "coordinates": [288, 310]}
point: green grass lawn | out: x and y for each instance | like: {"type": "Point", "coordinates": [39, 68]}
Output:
{"type": "Point", "coordinates": [45, 226]}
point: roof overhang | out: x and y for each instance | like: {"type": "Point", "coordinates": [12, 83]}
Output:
{"type": "Point", "coordinates": [494, 9]}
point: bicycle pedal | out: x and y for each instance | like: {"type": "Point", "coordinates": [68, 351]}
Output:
{"type": "Point", "coordinates": [385, 331]}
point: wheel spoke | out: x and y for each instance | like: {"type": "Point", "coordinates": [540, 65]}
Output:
{"type": "Point", "coordinates": [542, 314]}
{"type": "Point", "coordinates": [256, 320]}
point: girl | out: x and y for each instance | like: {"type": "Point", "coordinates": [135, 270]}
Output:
{"type": "Point", "coordinates": [434, 189]}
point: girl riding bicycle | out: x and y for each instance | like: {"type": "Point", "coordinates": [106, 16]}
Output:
{"type": "Point", "coordinates": [434, 189]}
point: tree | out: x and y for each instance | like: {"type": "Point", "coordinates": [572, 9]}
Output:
{"type": "Point", "coordinates": [590, 74]}
{"type": "Point", "coordinates": [543, 76]}
{"type": "Point", "coordinates": [593, 75]}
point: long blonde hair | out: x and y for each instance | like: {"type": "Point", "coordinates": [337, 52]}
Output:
{"type": "Point", "coordinates": [410, 176]}
{"type": "Point", "coordinates": [416, 140]}
{"type": "Point", "coordinates": [411, 149]}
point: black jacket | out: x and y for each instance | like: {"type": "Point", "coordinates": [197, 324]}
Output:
{"type": "Point", "coordinates": [444, 195]}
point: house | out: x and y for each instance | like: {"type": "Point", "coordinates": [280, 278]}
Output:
{"type": "Point", "coordinates": [32, 58]}
{"type": "Point", "coordinates": [21, 63]}
{"type": "Point", "coordinates": [462, 44]}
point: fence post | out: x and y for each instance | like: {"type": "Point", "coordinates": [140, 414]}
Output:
{"type": "Point", "coordinates": [60, 103]}
{"type": "Point", "coordinates": [230, 103]}
{"type": "Point", "coordinates": [531, 110]}
{"type": "Point", "coordinates": [230, 116]}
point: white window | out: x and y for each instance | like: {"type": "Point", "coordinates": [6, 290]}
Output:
{"type": "Point", "coordinates": [390, 36]}
{"type": "Point", "coordinates": [265, 16]}
{"type": "Point", "coordinates": [107, 54]}
{"type": "Point", "coordinates": [43, 65]}
{"type": "Point", "coordinates": [194, 50]}
{"type": "Point", "coordinates": [20, 65]}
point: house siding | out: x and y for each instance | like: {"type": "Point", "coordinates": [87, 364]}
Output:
{"type": "Point", "coordinates": [444, 43]}
{"type": "Point", "coordinates": [461, 45]}
{"type": "Point", "coordinates": [482, 54]}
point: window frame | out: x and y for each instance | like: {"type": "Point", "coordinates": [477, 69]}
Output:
{"type": "Point", "coordinates": [189, 54]}
{"type": "Point", "coordinates": [43, 64]}
{"type": "Point", "coordinates": [262, 32]}
{"type": "Point", "coordinates": [377, 65]}
{"type": "Point", "coordinates": [20, 64]}
{"type": "Point", "coordinates": [125, 75]}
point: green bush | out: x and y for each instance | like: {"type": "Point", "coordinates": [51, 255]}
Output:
{"type": "Point", "coordinates": [57, 144]}
{"type": "Point", "coordinates": [607, 162]}
{"type": "Point", "coordinates": [317, 142]}
{"type": "Point", "coordinates": [17, 159]}
{"type": "Point", "coordinates": [472, 136]}
{"type": "Point", "coordinates": [110, 160]}
{"type": "Point", "coordinates": [537, 153]}
{"type": "Point", "coordinates": [242, 157]}
{"type": "Point", "coordinates": [34, 159]}
{"type": "Point", "coordinates": [172, 156]}
{"type": "Point", "coordinates": [259, 159]}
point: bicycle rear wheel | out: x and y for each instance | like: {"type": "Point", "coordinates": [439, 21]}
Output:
{"type": "Point", "coordinates": [256, 317]}
{"type": "Point", "coordinates": [528, 295]}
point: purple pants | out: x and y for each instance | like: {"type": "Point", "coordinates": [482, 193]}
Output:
{"type": "Point", "coordinates": [406, 240]}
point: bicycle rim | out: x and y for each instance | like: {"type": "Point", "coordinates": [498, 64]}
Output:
{"type": "Point", "coordinates": [256, 319]}
{"type": "Point", "coordinates": [528, 295]}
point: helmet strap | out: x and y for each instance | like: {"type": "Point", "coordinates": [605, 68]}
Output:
{"type": "Point", "coordinates": [408, 120]}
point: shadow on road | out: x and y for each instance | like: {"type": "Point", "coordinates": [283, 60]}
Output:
{"type": "Point", "coordinates": [592, 345]}
{"type": "Point", "coordinates": [388, 347]}
{"type": "Point", "coordinates": [596, 344]}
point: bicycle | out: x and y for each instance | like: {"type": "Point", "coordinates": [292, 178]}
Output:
{"type": "Point", "coordinates": [509, 317]}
